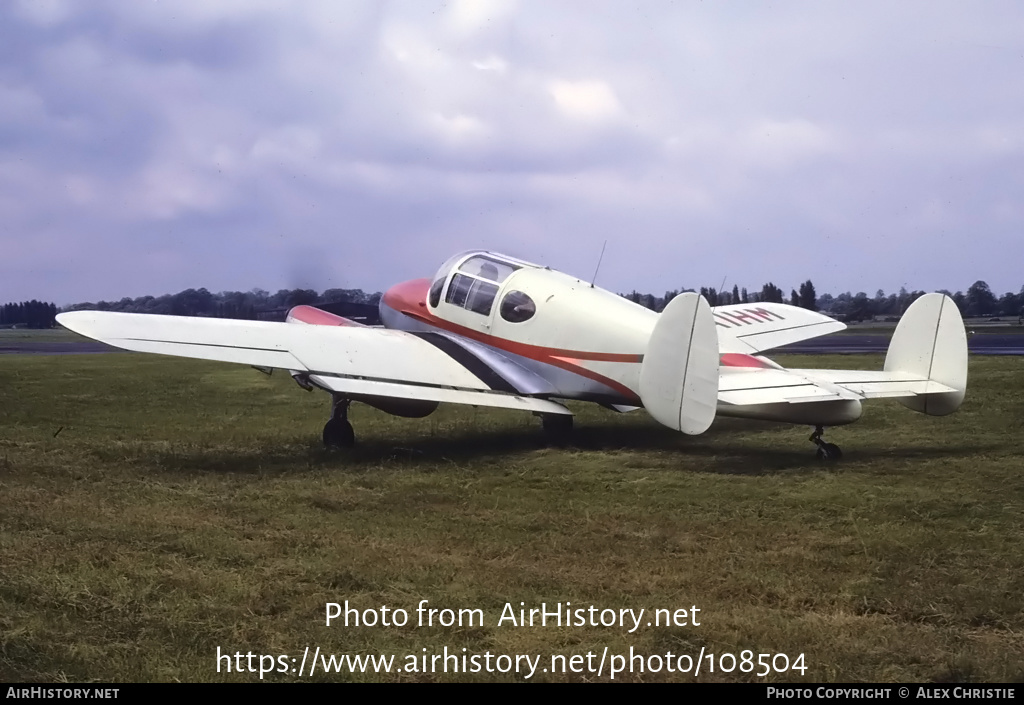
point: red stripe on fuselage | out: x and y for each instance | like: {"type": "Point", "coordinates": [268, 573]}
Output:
{"type": "Point", "coordinates": [410, 299]}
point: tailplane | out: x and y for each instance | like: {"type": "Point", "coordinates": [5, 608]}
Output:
{"type": "Point", "coordinates": [930, 341]}
{"type": "Point", "coordinates": [679, 374]}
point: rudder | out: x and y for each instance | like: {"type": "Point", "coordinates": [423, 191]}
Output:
{"type": "Point", "coordinates": [679, 374]}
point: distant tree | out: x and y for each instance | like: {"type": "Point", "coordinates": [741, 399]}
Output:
{"type": "Point", "coordinates": [192, 302]}
{"type": "Point", "coordinates": [744, 297]}
{"type": "Point", "coordinates": [300, 297]}
{"type": "Point", "coordinates": [794, 298]}
{"type": "Point", "coordinates": [859, 308]}
{"type": "Point", "coordinates": [711, 294]}
{"type": "Point", "coordinates": [280, 299]}
{"type": "Point", "coordinates": [1009, 304]}
{"type": "Point", "coordinates": [770, 292]}
{"type": "Point", "coordinates": [961, 302]}
{"type": "Point", "coordinates": [902, 300]}
{"type": "Point", "coordinates": [162, 304]}
{"type": "Point", "coordinates": [260, 298]}
{"type": "Point", "coordinates": [980, 300]}
{"type": "Point", "coordinates": [30, 314]}
{"type": "Point", "coordinates": [914, 296]}
{"type": "Point", "coordinates": [354, 296]}
{"type": "Point", "coordinates": [808, 296]}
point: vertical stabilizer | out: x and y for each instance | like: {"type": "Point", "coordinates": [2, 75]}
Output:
{"type": "Point", "coordinates": [930, 341]}
{"type": "Point", "coordinates": [679, 375]}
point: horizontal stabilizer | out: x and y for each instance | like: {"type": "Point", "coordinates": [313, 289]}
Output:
{"type": "Point", "coordinates": [798, 386]}
{"type": "Point", "coordinates": [750, 328]}
{"type": "Point", "coordinates": [874, 385]}
{"type": "Point", "coordinates": [679, 374]}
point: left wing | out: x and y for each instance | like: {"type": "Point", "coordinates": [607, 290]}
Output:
{"type": "Point", "coordinates": [751, 328]}
{"type": "Point", "coordinates": [346, 359]}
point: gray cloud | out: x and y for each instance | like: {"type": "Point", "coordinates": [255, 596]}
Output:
{"type": "Point", "coordinates": [149, 147]}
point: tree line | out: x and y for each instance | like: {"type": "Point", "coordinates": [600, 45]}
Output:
{"type": "Point", "coordinates": [978, 301]}
{"type": "Point", "coordinates": [28, 314]}
{"type": "Point", "coordinates": [229, 304]}
{"type": "Point", "coordinates": [806, 297]}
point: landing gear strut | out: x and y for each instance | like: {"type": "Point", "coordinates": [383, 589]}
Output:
{"type": "Point", "coordinates": [826, 451]}
{"type": "Point", "coordinates": [338, 431]}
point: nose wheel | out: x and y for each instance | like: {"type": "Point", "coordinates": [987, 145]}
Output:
{"type": "Point", "coordinates": [826, 451]}
{"type": "Point", "coordinates": [338, 431]}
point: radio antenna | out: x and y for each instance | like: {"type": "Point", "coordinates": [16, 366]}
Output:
{"type": "Point", "coordinates": [598, 264]}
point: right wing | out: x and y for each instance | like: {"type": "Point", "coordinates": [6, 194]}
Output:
{"type": "Point", "coordinates": [346, 359]}
{"type": "Point", "coordinates": [755, 327]}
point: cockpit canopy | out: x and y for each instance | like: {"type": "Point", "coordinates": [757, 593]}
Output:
{"type": "Point", "coordinates": [473, 280]}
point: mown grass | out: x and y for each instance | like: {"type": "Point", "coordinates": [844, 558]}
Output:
{"type": "Point", "coordinates": [154, 509]}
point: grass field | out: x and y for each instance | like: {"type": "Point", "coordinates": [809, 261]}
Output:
{"type": "Point", "coordinates": [154, 509]}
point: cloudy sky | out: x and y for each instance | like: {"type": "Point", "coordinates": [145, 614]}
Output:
{"type": "Point", "coordinates": [150, 146]}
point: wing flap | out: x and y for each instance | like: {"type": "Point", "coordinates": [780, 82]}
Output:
{"type": "Point", "coordinates": [354, 386]}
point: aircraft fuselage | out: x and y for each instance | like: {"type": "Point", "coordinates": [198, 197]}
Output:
{"type": "Point", "coordinates": [575, 341]}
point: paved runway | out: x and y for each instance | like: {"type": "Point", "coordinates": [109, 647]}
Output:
{"type": "Point", "coordinates": [981, 344]}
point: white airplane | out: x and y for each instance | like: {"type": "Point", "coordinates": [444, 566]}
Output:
{"type": "Point", "coordinates": [491, 330]}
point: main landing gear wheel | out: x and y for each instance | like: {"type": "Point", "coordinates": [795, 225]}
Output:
{"type": "Point", "coordinates": [557, 427]}
{"type": "Point", "coordinates": [826, 451]}
{"type": "Point", "coordinates": [338, 431]}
